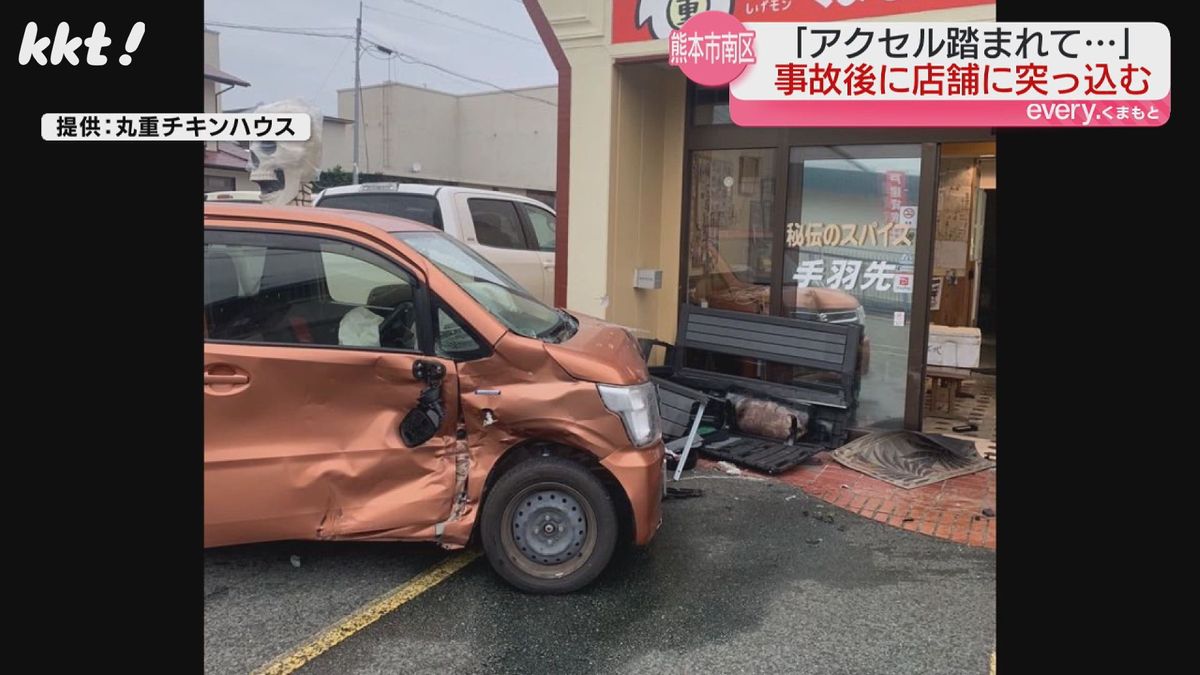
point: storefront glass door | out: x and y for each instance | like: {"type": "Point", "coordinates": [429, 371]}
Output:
{"type": "Point", "coordinates": [850, 255]}
{"type": "Point", "coordinates": [730, 246]}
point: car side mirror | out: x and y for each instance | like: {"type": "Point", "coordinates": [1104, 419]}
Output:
{"type": "Point", "coordinates": [420, 425]}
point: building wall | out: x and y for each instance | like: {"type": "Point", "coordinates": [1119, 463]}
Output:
{"type": "Point", "coordinates": [645, 196]}
{"type": "Point", "coordinates": [212, 49]}
{"type": "Point", "coordinates": [626, 165]}
{"type": "Point", "coordinates": [403, 126]}
{"type": "Point", "coordinates": [212, 57]}
{"type": "Point", "coordinates": [337, 144]}
{"type": "Point", "coordinates": [495, 140]}
{"type": "Point", "coordinates": [508, 140]}
{"type": "Point", "coordinates": [211, 104]}
{"type": "Point", "coordinates": [242, 178]}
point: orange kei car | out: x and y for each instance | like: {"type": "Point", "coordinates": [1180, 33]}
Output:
{"type": "Point", "coordinates": [370, 378]}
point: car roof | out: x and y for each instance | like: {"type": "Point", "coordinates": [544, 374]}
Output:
{"type": "Point", "coordinates": [383, 187]}
{"type": "Point", "coordinates": [394, 187]}
{"type": "Point", "coordinates": [362, 221]}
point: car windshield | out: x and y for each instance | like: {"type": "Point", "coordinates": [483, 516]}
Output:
{"type": "Point", "coordinates": [489, 286]}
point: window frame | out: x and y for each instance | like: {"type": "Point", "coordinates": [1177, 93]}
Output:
{"type": "Point", "coordinates": [482, 350]}
{"type": "Point", "coordinates": [439, 222]}
{"type": "Point", "coordinates": [420, 289]}
{"type": "Point", "coordinates": [526, 232]}
{"type": "Point", "coordinates": [527, 223]}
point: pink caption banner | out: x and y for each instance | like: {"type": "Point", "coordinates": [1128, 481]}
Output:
{"type": "Point", "coordinates": [931, 74]}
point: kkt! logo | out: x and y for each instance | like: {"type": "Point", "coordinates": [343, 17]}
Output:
{"type": "Point", "coordinates": [667, 15]}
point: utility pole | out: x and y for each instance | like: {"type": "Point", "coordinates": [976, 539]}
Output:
{"type": "Point", "coordinates": [357, 86]}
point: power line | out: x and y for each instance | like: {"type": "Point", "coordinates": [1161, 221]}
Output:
{"type": "Point", "coordinates": [406, 58]}
{"type": "Point", "coordinates": [310, 32]}
{"type": "Point", "coordinates": [329, 74]}
{"type": "Point", "coordinates": [424, 20]}
{"type": "Point", "coordinates": [409, 58]}
{"type": "Point", "coordinates": [473, 22]}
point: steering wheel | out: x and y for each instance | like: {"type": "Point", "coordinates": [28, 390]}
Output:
{"type": "Point", "coordinates": [395, 331]}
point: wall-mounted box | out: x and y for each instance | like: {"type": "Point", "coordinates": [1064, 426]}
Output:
{"type": "Point", "coordinates": [647, 278]}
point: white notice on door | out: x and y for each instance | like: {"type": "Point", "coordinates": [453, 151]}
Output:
{"type": "Point", "coordinates": [898, 319]}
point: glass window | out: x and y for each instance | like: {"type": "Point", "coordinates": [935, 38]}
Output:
{"type": "Point", "coordinates": [453, 340]}
{"type": "Point", "coordinates": [289, 289]}
{"type": "Point", "coordinates": [497, 223]}
{"type": "Point", "coordinates": [220, 183]}
{"type": "Point", "coordinates": [850, 254]}
{"type": "Point", "coordinates": [543, 226]}
{"type": "Point", "coordinates": [729, 266]}
{"type": "Point", "coordinates": [421, 208]}
{"type": "Point", "coordinates": [504, 298]}
{"type": "Point", "coordinates": [710, 106]}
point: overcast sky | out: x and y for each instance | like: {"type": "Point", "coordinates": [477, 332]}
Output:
{"type": "Point", "coordinates": [313, 68]}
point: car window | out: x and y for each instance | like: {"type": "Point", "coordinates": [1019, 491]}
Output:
{"type": "Point", "coordinates": [453, 340]}
{"type": "Point", "coordinates": [291, 289]}
{"type": "Point", "coordinates": [506, 300]}
{"type": "Point", "coordinates": [497, 223]}
{"type": "Point", "coordinates": [543, 226]}
{"type": "Point", "coordinates": [421, 208]}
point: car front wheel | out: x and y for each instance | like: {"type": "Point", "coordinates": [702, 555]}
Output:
{"type": "Point", "coordinates": [549, 526]}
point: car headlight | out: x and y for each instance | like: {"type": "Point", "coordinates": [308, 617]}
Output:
{"type": "Point", "coordinates": [861, 315]}
{"type": "Point", "coordinates": [638, 408]}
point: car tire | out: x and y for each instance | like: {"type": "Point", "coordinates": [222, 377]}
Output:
{"type": "Point", "coordinates": [549, 526]}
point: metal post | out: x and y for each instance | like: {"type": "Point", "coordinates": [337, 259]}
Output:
{"type": "Point", "coordinates": [357, 86]}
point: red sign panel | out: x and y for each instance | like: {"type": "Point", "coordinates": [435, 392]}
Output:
{"type": "Point", "coordinates": [639, 20]}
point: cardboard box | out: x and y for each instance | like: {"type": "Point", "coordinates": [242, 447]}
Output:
{"type": "Point", "coordinates": [953, 346]}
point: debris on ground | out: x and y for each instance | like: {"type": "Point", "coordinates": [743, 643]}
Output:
{"type": "Point", "coordinates": [813, 541]}
{"type": "Point", "coordinates": [909, 459]}
{"type": "Point", "coordinates": [826, 518]}
{"type": "Point", "coordinates": [804, 513]}
{"type": "Point", "coordinates": [845, 487]}
{"type": "Point", "coordinates": [790, 498]}
{"type": "Point", "coordinates": [841, 528]}
{"type": "Point", "coordinates": [729, 468]}
{"type": "Point", "coordinates": [989, 512]}
{"type": "Point", "coordinates": [683, 493]}
{"type": "Point", "coordinates": [295, 561]}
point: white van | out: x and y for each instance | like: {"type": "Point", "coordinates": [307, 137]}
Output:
{"type": "Point", "coordinates": [516, 233]}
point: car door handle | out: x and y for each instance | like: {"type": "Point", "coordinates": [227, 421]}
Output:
{"type": "Point", "coordinates": [232, 378]}
{"type": "Point", "coordinates": [548, 265]}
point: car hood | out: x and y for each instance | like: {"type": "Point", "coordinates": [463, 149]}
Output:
{"type": "Point", "coordinates": [825, 299]}
{"type": "Point", "coordinates": [600, 352]}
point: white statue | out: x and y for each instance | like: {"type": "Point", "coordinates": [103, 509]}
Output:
{"type": "Point", "coordinates": [285, 170]}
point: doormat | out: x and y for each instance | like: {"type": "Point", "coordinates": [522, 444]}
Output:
{"type": "Point", "coordinates": [769, 457]}
{"type": "Point", "coordinates": [908, 459]}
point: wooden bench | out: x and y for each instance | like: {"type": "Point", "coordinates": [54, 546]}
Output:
{"type": "Point", "coordinates": [830, 349]}
{"type": "Point", "coordinates": [946, 380]}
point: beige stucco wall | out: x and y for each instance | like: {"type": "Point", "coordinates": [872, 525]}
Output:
{"type": "Point", "coordinates": [645, 195]}
{"type": "Point", "coordinates": [403, 126]}
{"type": "Point", "coordinates": [508, 140]}
{"type": "Point", "coordinates": [212, 49]}
{"type": "Point", "coordinates": [626, 165]}
{"type": "Point", "coordinates": [212, 57]}
{"type": "Point", "coordinates": [337, 143]}
{"type": "Point", "coordinates": [494, 139]}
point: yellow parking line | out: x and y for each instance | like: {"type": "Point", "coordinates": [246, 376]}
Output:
{"type": "Point", "coordinates": [992, 668]}
{"type": "Point", "coordinates": [367, 615]}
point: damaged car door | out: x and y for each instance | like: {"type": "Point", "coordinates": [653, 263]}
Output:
{"type": "Point", "coordinates": [315, 354]}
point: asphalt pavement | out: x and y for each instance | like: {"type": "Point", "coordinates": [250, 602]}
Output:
{"type": "Point", "coordinates": [752, 577]}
